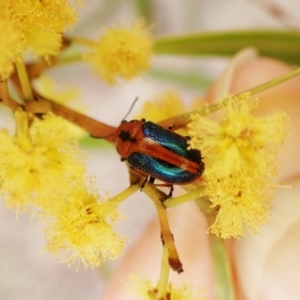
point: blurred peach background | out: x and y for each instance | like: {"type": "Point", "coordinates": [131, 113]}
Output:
{"type": "Point", "coordinates": [26, 271]}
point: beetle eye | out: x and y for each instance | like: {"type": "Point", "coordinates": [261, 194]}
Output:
{"type": "Point", "coordinates": [124, 136]}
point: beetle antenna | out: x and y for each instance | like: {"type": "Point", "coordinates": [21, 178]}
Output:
{"type": "Point", "coordinates": [131, 107]}
{"type": "Point", "coordinates": [129, 111]}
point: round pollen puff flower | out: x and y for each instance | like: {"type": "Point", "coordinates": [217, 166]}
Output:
{"type": "Point", "coordinates": [243, 203]}
{"type": "Point", "coordinates": [147, 290]}
{"type": "Point", "coordinates": [169, 104]}
{"type": "Point", "coordinates": [11, 46]}
{"type": "Point", "coordinates": [239, 151]}
{"type": "Point", "coordinates": [39, 164]}
{"type": "Point", "coordinates": [81, 229]}
{"type": "Point", "coordinates": [121, 53]}
{"type": "Point", "coordinates": [40, 24]}
{"type": "Point", "coordinates": [44, 23]}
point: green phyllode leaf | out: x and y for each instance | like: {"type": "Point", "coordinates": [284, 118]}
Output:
{"type": "Point", "coordinates": [277, 44]}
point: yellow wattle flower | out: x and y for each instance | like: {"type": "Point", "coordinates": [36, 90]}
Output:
{"type": "Point", "coordinates": [39, 164]}
{"type": "Point", "coordinates": [239, 151]}
{"type": "Point", "coordinates": [121, 53]}
{"type": "Point", "coordinates": [39, 24]}
{"type": "Point", "coordinates": [169, 104]}
{"type": "Point", "coordinates": [148, 291]}
{"type": "Point", "coordinates": [11, 45]}
{"type": "Point", "coordinates": [42, 169]}
{"type": "Point", "coordinates": [81, 229]}
{"type": "Point", "coordinates": [243, 202]}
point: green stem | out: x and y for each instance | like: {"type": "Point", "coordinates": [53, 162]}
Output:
{"type": "Point", "coordinates": [24, 80]}
{"type": "Point", "coordinates": [253, 91]}
{"type": "Point", "coordinates": [182, 120]}
{"type": "Point", "coordinates": [83, 41]}
{"type": "Point", "coordinates": [223, 281]}
{"type": "Point", "coordinates": [71, 58]}
{"type": "Point", "coordinates": [22, 125]}
{"type": "Point", "coordinates": [126, 193]}
{"type": "Point", "coordinates": [184, 198]}
{"type": "Point", "coordinates": [162, 285]}
{"type": "Point", "coordinates": [273, 82]}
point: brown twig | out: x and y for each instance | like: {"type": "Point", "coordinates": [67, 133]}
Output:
{"type": "Point", "coordinates": [41, 105]}
{"type": "Point", "coordinates": [5, 97]}
{"type": "Point", "coordinates": [95, 128]}
{"type": "Point", "coordinates": [166, 236]}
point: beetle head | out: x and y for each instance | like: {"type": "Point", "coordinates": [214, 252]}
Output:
{"type": "Point", "coordinates": [125, 136]}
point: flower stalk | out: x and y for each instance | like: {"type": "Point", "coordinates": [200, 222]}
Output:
{"type": "Point", "coordinates": [180, 121]}
{"type": "Point", "coordinates": [189, 196]}
{"type": "Point", "coordinates": [125, 194]}
{"type": "Point", "coordinates": [24, 80]}
{"type": "Point", "coordinates": [163, 282]}
{"type": "Point", "coordinates": [158, 197]}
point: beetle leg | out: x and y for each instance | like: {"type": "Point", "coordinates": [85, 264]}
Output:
{"type": "Point", "coordinates": [134, 178]}
{"type": "Point", "coordinates": [171, 191]}
{"type": "Point", "coordinates": [143, 182]}
{"type": "Point", "coordinates": [171, 186]}
{"type": "Point", "coordinates": [151, 179]}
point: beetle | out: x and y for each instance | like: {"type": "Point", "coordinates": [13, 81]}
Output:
{"type": "Point", "coordinates": [156, 152]}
